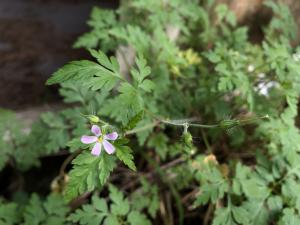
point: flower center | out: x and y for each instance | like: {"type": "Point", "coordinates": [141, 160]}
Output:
{"type": "Point", "coordinates": [100, 139]}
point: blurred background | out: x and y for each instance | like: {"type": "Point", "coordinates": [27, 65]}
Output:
{"type": "Point", "coordinates": [36, 38]}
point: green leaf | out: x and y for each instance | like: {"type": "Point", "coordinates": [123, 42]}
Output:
{"type": "Point", "coordinates": [159, 142]}
{"type": "Point", "coordinates": [240, 215]}
{"type": "Point", "coordinates": [101, 21]}
{"type": "Point", "coordinates": [95, 76]}
{"type": "Point", "coordinates": [147, 85]}
{"type": "Point", "coordinates": [51, 212]}
{"type": "Point", "coordinates": [258, 212]}
{"type": "Point", "coordinates": [111, 220]}
{"type": "Point", "coordinates": [147, 199]}
{"type": "Point", "coordinates": [132, 123]}
{"type": "Point", "coordinates": [92, 214]}
{"type": "Point", "coordinates": [33, 212]}
{"type": "Point", "coordinates": [290, 217]}
{"type": "Point", "coordinates": [137, 218]}
{"type": "Point", "coordinates": [143, 70]}
{"type": "Point", "coordinates": [213, 186]}
{"type": "Point", "coordinates": [231, 216]}
{"type": "Point", "coordinates": [9, 214]}
{"type": "Point", "coordinates": [223, 216]}
{"type": "Point", "coordinates": [88, 172]}
{"type": "Point", "coordinates": [110, 64]}
{"type": "Point", "coordinates": [120, 205]}
{"type": "Point", "coordinates": [9, 131]}
{"type": "Point", "coordinates": [124, 106]}
{"type": "Point", "coordinates": [106, 165]}
{"type": "Point", "coordinates": [124, 153]}
{"type": "Point", "coordinates": [75, 144]}
{"type": "Point", "coordinates": [75, 70]}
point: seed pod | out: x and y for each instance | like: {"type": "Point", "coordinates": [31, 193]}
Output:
{"type": "Point", "coordinates": [229, 124]}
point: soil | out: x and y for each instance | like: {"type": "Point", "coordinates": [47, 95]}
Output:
{"type": "Point", "coordinates": [36, 37]}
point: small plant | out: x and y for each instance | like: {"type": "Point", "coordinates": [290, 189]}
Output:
{"type": "Point", "coordinates": [164, 77]}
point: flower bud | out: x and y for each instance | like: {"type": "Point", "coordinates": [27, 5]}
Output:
{"type": "Point", "coordinates": [93, 118]}
{"type": "Point", "coordinates": [187, 139]}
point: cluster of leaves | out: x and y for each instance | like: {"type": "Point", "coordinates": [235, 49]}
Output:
{"type": "Point", "coordinates": [113, 210]}
{"type": "Point", "coordinates": [35, 211]}
{"type": "Point", "coordinates": [192, 61]}
{"type": "Point", "coordinates": [121, 210]}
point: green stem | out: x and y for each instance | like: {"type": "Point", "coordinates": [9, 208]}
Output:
{"type": "Point", "coordinates": [206, 141]}
{"type": "Point", "coordinates": [185, 122]}
{"type": "Point", "coordinates": [203, 125]}
{"type": "Point", "coordinates": [188, 123]}
{"type": "Point", "coordinates": [140, 129]}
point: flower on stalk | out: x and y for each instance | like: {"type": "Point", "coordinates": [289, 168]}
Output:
{"type": "Point", "coordinates": [100, 140]}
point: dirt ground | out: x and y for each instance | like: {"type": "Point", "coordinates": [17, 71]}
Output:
{"type": "Point", "coordinates": [35, 39]}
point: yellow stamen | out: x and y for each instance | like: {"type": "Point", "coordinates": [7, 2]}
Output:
{"type": "Point", "coordinates": [100, 139]}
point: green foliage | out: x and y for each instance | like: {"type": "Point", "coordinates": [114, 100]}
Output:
{"type": "Point", "coordinates": [124, 153]}
{"type": "Point", "coordinates": [100, 20]}
{"type": "Point", "coordinates": [52, 211]}
{"type": "Point", "coordinates": [9, 214]}
{"type": "Point", "coordinates": [146, 198]}
{"type": "Point", "coordinates": [115, 212]}
{"type": "Point", "coordinates": [187, 63]}
{"type": "Point", "coordinates": [9, 130]}
{"type": "Point", "coordinates": [96, 76]}
{"type": "Point", "coordinates": [159, 142]}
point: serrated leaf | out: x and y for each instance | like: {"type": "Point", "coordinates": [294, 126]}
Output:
{"type": "Point", "coordinates": [106, 165]}
{"type": "Point", "coordinates": [120, 205]}
{"type": "Point", "coordinates": [110, 64]}
{"type": "Point", "coordinates": [124, 153]}
{"type": "Point", "coordinates": [9, 214]}
{"type": "Point", "coordinates": [290, 217]}
{"type": "Point", "coordinates": [159, 142]}
{"type": "Point", "coordinates": [147, 85]}
{"type": "Point", "coordinates": [50, 212]}
{"type": "Point", "coordinates": [88, 172]}
{"type": "Point", "coordinates": [111, 220]}
{"type": "Point", "coordinates": [92, 214]}
{"type": "Point", "coordinates": [143, 70]}
{"type": "Point", "coordinates": [75, 70]}
{"type": "Point", "coordinates": [137, 218]}
{"type": "Point", "coordinates": [132, 123]}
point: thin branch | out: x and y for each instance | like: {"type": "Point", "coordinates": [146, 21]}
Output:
{"type": "Point", "coordinates": [67, 161]}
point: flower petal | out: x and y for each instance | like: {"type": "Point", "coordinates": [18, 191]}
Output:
{"type": "Point", "coordinates": [109, 148]}
{"type": "Point", "coordinates": [96, 130]}
{"type": "Point", "coordinates": [112, 136]}
{"type": "Point", "coordinates": [96, 149]}
{"type": "Point", "coordinates": [88, 139]}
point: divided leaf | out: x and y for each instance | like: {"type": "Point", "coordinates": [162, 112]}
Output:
{"type": "Point", "coordinates": [88, 173]}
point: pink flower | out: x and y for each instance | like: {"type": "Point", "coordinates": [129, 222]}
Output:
{"type": "Point", "coordinates": [99, 139]}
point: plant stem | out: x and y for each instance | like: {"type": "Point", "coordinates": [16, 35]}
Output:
{"type": "Point", "coordinates": [182, 122]}
{"type": "Point", "coordinates": [206, 141]}
{"type": "Point", "coordinates": [67, 161]}
{"type": "Point", "coordinates": [188, 123]}
{"type": "Point", "coordinates": [139, 129]}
